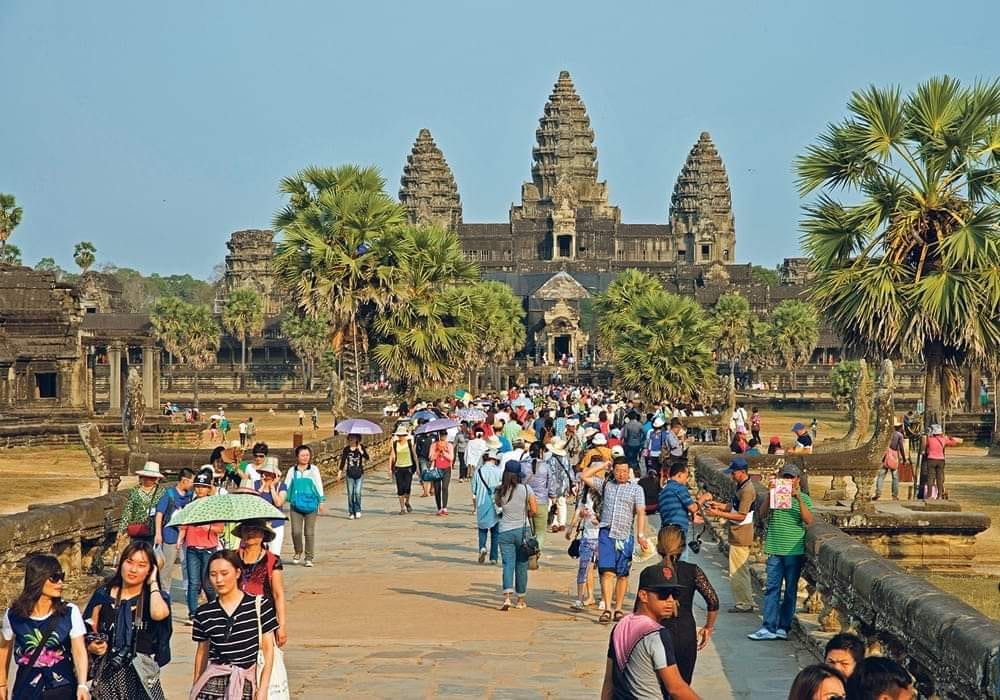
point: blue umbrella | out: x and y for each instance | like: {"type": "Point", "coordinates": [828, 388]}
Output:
{"type": "Point", "coordinates": [523, 401]}
{"type": "Point", "coordinates": [425, 415]}
{"type": "Point", "coordinates": [357, 426]}
{"type": "Point", "coordinates": [436, 426]}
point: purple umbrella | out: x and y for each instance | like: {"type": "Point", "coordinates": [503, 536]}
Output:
{"type": "Point", "coordinates": [357, 426]}
{"type": "Point", "coordinates": [436, 426]}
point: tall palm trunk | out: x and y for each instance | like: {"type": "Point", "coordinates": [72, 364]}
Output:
{"type": "Point", "coordinates": [195, 386]}
{"type": "Point", "coordinates": [353, 365]}
{"type": "Point", "coordinates": [243, 361]}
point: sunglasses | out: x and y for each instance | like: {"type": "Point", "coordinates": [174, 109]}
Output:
{"type": "Point", "coordinates": [663, 595]}
{"type": "Point", "coordinates": [57, 577]}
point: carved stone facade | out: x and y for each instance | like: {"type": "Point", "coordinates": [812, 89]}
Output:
{"type": "Point", "coordinates": [248, 265]}
{"type": "Point", "coordinates": [701, 208]}
{"type": "Point", "coordinates": [427, 188]}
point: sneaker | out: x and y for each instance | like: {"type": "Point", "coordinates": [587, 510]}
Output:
{"type": "Point", "coordinates": [738, 609]}
{"type": "Point", "coordinates": [763, 634]}
{"type": "Point", "coordinates": [577, 605]}
{"type": "Point", "coordinates": [409, 508]}
{"type": "Point", "coordinates": [440, 512]}
{"type": "Point", "coordinates": [358, 515]}
{"type": "Point", "coordinates": [482, 555]}
{"type": "Point", "coordinates": [309, 563]}
{"type": "Point", "coordinates": [350, 516]}
{"type": "Point", "coordinates": [297, 559]}
{"type": "Point", "coordinates": [781, 634]}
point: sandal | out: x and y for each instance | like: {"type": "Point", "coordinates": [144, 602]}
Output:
{"type": "Point", "coordinates": [506, 604]}
{"type": "Point", "coordinates": [605, 617]}
{"type": "Point", "coordinates": [619, 615]}
{"type": "Point", "coordinates": [521, 605]}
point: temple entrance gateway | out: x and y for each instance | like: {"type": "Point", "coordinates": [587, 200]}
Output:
{"type": "Point", "coordinates": [561, 345]}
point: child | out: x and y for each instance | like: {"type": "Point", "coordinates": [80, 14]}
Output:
{"type": "Point", "coordinates": [588, 522]}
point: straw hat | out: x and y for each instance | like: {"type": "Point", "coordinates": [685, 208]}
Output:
{"type": "Point", "coordinates": [589, 433]}
{"type": "Point", "coordinates": [401, 430]}
{"type": "Point", "coordinates": [270, 466]}
{"type": "Point", "coordinates": [150, 469]}
{"type": "Point", "coordinates": [235, 445]}
{"type": "Point", "coordinates": [558, 447]}
{"type": "Point", "coordinates": [526, 436]}
{"type": "Point", "coordinates": [494, 443]}
{"type": "Point", "coordinates": [599, 439]}
{"type": "Point", "coordinates": [261, 525]}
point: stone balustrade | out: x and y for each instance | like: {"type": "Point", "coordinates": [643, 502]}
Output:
{"type": "Point", "coordinates": [951, 649]}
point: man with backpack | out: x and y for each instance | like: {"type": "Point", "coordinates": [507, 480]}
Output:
{"type": "Point", "coordinates": [174, 499]}
{"type": "Point", "coordinates": [422, 444]}
{"type": "Point", "coordinates": [633, 437]}
{"type": "Point", "coordinates": [654, 444]}
{"type": "Point", "coordinates": [740, 532]}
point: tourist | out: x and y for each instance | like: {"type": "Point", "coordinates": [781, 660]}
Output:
{"type": "Point", "coordinates": [880, 678]}
{"type": "Point", "coordinates": [39, 611]}
{"type": "Point", "coordinates": [934, 447]}
{"type": "Point", "coordinates": [675, 505]}
{"type": "Point", "coordinates": [738, 419]}
{"type": "Point", "coordinates": [224, 427]}
{"type": "Point", "coordinates": [641, 661]}
{"type": "Point", "coordinates": [307, 500]}
{"type": "Point", "coordinates": [139, 515]}
{"type": "Point", "coordinates": [655, 441]}
{"type": "Point", "coordinates": [275, 491]}
{"type": "Point", "coordinates": [737, 515]}
{"type": "Point", "coordinates": [561, 471]}
{"type": "Point", "coordinates": [785, 547]}
{"type": "Point", "coordinates": [301, 416]}
{"type": "Point", "coordinates": [984, 396]}
{"type": "Point", "coordinates": [226, 632]}
{"type": "Point", "coordinates": [130, 617]}
{"type": "Point", "coordinates": [487, 478]}
{"type": "Point", "coordinates": [895, 454]}
{"type": "Point", "coordinates": [199, 542]}
{"type": "Point", "coordinates": [803, 440]}
{"type": "Point", "coordinates": [818, 682]}
{"type": "Point", "coordinates": [517, 505]}
{"type": "Point", "coordinates": [243, 433]}
{"type": "Point", "coordinates": [402, 466]}
{"type": "Point", "coordinates": [352, 465]}
{"type": "Point", "coordinates": [739, 444]}
{"type": "Point", "coordinates": [250, 472]}
{"type": "Point", "coordinates": [597, 453]}
{"type": "Point", "coordinates": [774, 446]}
{"type": "Point", "coordinates": [238, 471]}
{"type": "Point", "coordinates": [213, 432]}
{"type": "Point", "coordinates": [753, 448]}
{"type": "Point", "coordinates": [262, 572]}
{"type": "Point", "coordinates": [675, 443]}
{"type": "Point", "coordinates": [221, 476]}
{"type": "Point", "coordinates": [442, 456]}
{"type": "Point", "coordinates": [844, 652]}
{"type": "Point", "coordinates": [574, 441]}
{"type": "Point", "coordinates": [537, 473]}
{"type": "Point", "coordinates": [175, 498]}
{"type": "Point", "coordinates": [512, 429]}
{"type": "Point", "coordinates": [251, 431]}
{"type": "Point", "coordinates": [461, 447]}
{"type": "Point", "coordinates": [814, 429]}
{"type": "Point", "coordinates": [688, 639]}
{"type": "Point", "coordinates": [623, 521]}
{"type": "Point", "coordinates": [422, 443]}
{"type": "Point", "coordinates": [474, 451]}
{"type": "Point", "coordinates": [633, 438]}
{"type": "Point", "coordinates": [755, 424]}
{"type": "Point", "coordinates": [585, 526]}
{"type": "Point", "coordinates": [315, 419]}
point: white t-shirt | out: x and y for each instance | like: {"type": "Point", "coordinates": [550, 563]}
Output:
{"type": "Point", "coordinates": [76, 629]}
{"type": "Point", "coordinates": [243, 428]}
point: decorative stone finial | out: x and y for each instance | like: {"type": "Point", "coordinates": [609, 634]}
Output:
{"type": "Point", "coordinates": [701, 208]}
{"type": "Point", "coordinates": [427, 187]}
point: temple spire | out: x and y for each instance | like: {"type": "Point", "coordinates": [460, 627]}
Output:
{"type": "Point", "coordinates": [427, 187]}
{"type": "Point", "coordinates": [701, 207]}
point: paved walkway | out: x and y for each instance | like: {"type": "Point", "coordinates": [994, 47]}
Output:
{"type": "Point", "coordinates": [397, 606]}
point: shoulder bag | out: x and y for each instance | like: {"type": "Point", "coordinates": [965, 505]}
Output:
{"type": "Point", "coordinates": [529, 545]}
{"type": "Point", "coordinates": [277, 688]}
{"type": "Point", "coordinates": [574, 546]}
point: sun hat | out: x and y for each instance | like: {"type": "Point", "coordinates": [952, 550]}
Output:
{"type": "Point", "coordinates": [270, 466]}
{"type": "Point", "coordinates": [658, 422]}
{"type": "Point", "coordinates": [235, 445]}
{"type": "Point", "coordinates": [936, 429]}
{"type": "Point", "coordinates": [615, 432]}
{"type": "Point", "coordinates": [261, 525]}
{"type": "Point", "coordinates": [589, 432]}
{"type": "Point", "coordinates": [494, 443]}
{"type": "Point", "coordinates": [572, 421]}
{"type": "Point", "coordinates": [798, 426]}
{"type": "Point", "coordinates": [150, 469]}
{"type": "Point", "coordinates": [526, 436]}
{"type": "Point", "coordinates": [558, 447]}
{"type": "Point", "coordinates": [492, 454]}
{"type": "Point", "coordinates": [599, 439]}
{"type": "Point", "coordinates": [617, 451]}
{"type": "Point", "coordinates": [401, 430]}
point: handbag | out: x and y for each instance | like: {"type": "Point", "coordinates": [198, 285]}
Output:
{"type": "Point", "coordinates": [574, 546]}
{"type": "Point", "coordinates": [890, 459]}
{"type": "Point", "coordinates": [431, 474]}
{"type": "Point", "coordinates": [529, 545]}
{"type": "Point", "coordinates": [277, 687]}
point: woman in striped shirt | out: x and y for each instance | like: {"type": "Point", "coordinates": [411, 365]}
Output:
{"type": "Point", "coordinates": [230, 631]}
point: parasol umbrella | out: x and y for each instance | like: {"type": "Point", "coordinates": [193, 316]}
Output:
{"type": "Point", "coordinates": [523, 401]}
{"type": "Point", "coordinates": [225, 508]}
{"type": "Point", "coordinates": [357, 426]}
{"type": "Point", "coordinates": [473, 415]}
{"type": "Point", "coordinates": [436, 426]}
{"type": "Point", "coordinates": [425, 415]}
{"type": "Point", "coordinates": [463, 396]}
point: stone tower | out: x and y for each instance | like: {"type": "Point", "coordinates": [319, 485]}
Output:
{"type": "Point", "coordinates": [701, 208]}
{"type": "Point", "coordinates": [248, 264]}
{"type": "Point", "coordinates": [564, 211]}
{"type": "Point", "coordinates": [427, 188]}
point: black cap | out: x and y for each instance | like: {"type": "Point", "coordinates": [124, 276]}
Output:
{"type": "Point", "coordinates": [203, 478]}
{"type": "Point", "coordinates": [658, 578]}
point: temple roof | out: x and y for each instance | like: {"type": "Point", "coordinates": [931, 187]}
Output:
{"type": "Point", "coordinates": [702, 188]}
{"type": "Point", "coordinates": [427, 187]}
{"type": "Point", "coordinates": [561, 286]}
{"type": "Point", "coordinates": [565, 150]}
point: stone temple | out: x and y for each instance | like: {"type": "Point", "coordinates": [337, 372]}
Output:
{"type": "Point", "coordinates": [565, 240]}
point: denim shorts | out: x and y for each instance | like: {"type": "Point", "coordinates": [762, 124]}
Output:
{"type": "Point", "coordinates": [588, 552]}
{"type": "Point", "coordinates": [610, 558]}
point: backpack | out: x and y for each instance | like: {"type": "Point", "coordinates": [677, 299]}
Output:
{"type": "Point", "coordinates": [656, 440]}
{"type": "Point", "coordinates": [355, 466]}
{"type": "Point", "coordinates": [303, 495]}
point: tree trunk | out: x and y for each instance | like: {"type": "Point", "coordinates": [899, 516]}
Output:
{"type": "Point", "coordinates": [195, 387]}
{"type": "Point", "coordinates": [933, 383]}
{"type": "Point", "coordinates": [353, 366]}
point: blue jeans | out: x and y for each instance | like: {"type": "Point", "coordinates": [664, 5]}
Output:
{"type": "Point", "coordinates": [196, 566]}
{"type": "Point", "coordinates": [354, 494]}
{"type": "Point", "coordinates": [880, 479]}
{"type": "Point", "coordinates": [781, 568]}
{"type": "Point", "coordinates": [515, 564]}
{"type": "Point", "coordinates": [632, 455]}
{"type": "Point", "coordinates": [494, 544]}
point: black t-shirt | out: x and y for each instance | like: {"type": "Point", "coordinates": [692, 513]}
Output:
{"type": "Point", "coordinates": [423, 443]}
{"type": "Point", "coordinates": [233, 640]}
{"type": "Point", "coordinates": [352, 462]}
{"type": "Point", "coordinates": [804, 440]}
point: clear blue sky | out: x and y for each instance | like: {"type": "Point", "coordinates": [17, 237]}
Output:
{"type": "Point", "coordinates": [156, 129]}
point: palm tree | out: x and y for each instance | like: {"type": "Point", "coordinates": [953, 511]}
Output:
{"type": "Point", "coordinates": [10, 217]}
{"type": "Point", "coordinates": [623, 292]}
{"type": "Point", "coordinates": [10, 254]}
{"type": "Point", "coordinates": [309, 337]}
{"type": "Point", "coordinates": [84, 254]}
{"type": "Point", "coordinates": [909, 267]}
{"type": "Point", "coordinates": [199, 340]}
{"type": "Point", "coordinates": [243, 316]}
{"type": "Point", "coordinates": [167, 318]}
{"type": "Point", "coordinates": [503, 332]}
{"type": "Point", "coordinates": [794, 333]}
{"type": "Point", "coordinates": [732, 321]}
{"type": "Point", "coordinates": [326, 258]}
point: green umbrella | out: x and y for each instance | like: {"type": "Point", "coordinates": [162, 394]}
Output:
{"type": "Point", "coordinates": [225, 508]}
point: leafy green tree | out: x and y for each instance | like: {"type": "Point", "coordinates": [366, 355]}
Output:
{"type": "Point", "coordinates": [620, 296]}
{"type": "Point", "coordinates": [167, 319]}
{"type": "Point", "coordinates": [84, 254]}
{"type": "Point", "coordinates": [760, 352]}
{"type": "Point", "coordinates": [188, 331]}
{"type": "Point", "coordinates": [10, 254]}
{"type": "Point", "coordinates": [327, 259]}
{"type": "Point", "coordinates": [309, 337]}
{"type": "Point", "coordinates": [907, 262]}
{"type": "Point", "coordinates": [844, 376]}
{"type": "Point", "coordinates": [764, 275]}
{"type": "Point", "coordinates": [10, 217]}
{"type": "Point", "coordinates": [50, 265]}
{"type": "Point", "coordinates": [794, 333]}
{"type": "Point", "coordinates": [243, 316]}
{"type": "Point", "coordinates": [731, 322]}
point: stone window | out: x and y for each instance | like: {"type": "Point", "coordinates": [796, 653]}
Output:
{"type": "Point", "coordinates": [45, 385]}
{"type": "Point", "coordinates": [725, 255]}
{"type": "Point", "coordinates": [706, 251]}
{"type": "Point", "coordinates": [565, 246]}
{"type": "Point", "coordinates": [682, 255]}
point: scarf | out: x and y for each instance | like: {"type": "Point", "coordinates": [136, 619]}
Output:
{"type": "Point", "coordinates": [627, 633]}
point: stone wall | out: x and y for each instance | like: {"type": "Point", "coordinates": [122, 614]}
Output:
{"type": "Point", "coordinates": [950, 648]}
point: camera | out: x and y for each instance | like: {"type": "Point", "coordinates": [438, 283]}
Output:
{"type": "Point", "coordinates": [695, 544]}
{"type": "Point", "coordinates": [115, 662]}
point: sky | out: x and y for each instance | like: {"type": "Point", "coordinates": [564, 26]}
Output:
{"type": "Point", "coordinates": [154, 130]}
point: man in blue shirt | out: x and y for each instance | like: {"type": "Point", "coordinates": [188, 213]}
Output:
{"type": "Point", "coordinates": [676, 507]}
{"type": "Point", "coordinates": [174, 499]}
